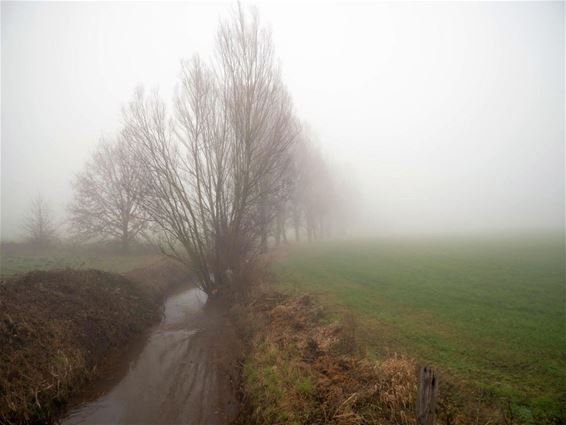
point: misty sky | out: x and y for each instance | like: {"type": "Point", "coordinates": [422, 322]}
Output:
{"type": "Point", "coordinates": [449, 116]}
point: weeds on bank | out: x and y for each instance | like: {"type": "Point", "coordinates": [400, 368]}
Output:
{"type": "Point", "coordinates": [55, 327]}
{"type": "Point", "coordinates": [305, 367]}
{"type": "Point", "coordinates": [302, 370]}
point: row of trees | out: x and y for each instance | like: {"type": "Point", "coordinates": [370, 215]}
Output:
{"type": "Point", "coordinates": [108, 192]}
{"type": "Point", "coordinates": [218, 176]}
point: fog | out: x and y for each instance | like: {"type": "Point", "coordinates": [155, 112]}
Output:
{"type": "Point", "coordinates": [447, 117]}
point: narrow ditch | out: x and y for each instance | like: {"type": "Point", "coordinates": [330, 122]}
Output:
{"type": "Point", "coordinates": [183, 371]}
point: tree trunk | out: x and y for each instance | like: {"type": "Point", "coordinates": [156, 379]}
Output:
{"type": "Point", "coordinates": [311, 230]}
{"type": "Point", "coordinates": [264, 239]}
{"type": "Point", "coordinates": [279, 228]}
{"type": "Point", "coordinates": [296, 225]}
{"type": "Point", "coordinates": [125, 241]}
{"type": "Point", "coordinates": [284, 233]}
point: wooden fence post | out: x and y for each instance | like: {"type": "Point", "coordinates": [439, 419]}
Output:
{"type": "Point", "coordinates": [426, 396]}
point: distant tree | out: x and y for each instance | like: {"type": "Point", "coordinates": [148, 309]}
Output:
{"type": "Point", "coordinates": [317, 200]}
{"type": "Point", "coordinates": [107, 196]}
{"type": "Point", "coordinates": [39, 225]}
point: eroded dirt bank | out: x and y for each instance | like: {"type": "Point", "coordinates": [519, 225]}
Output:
{"type": "Point", "coordinates": [184, 373]}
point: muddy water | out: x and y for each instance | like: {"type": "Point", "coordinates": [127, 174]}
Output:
{"type": "Point", "coordinates": [182, 373]}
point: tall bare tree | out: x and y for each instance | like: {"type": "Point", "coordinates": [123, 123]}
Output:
{"type": "Point", "coordinates": [260, 114]}
{"type": "Point", "coordinates": [215, 172]}
{"type": "Point", "coordinates": [107, 196]}
{"type": "Point", "coordinates": [185, 170]}
{"type": "Point", "coordinates": [39, 225]}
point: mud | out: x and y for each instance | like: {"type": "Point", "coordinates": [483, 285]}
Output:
{"type": "Point", "coordinates": [183, 372]}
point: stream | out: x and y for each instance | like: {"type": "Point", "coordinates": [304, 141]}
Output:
{"type": "Point", "coordinates": [182, 372]}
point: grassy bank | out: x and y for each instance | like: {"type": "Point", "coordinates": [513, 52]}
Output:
{"type": "Point", "coordinates": [12, 264]}
{"type": "Point", "coordinates": [489, 312]}
{"type": "Point", "coordinates": [57, 326]}
{"type": "Point", "coordinates": [300, 368]}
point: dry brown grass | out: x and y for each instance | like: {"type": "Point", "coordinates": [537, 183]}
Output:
{"type": "Point", "coordinates": [159, 277]}
{"type": "Point", "coordinates": [302, 369]}
{"type": "Point", "coordinates": [56, 326]}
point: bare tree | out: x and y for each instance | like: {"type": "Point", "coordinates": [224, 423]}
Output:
{"type": "Point", "coordinates": [107, 196]}
{"type": "Point", "coordinates": [282, 204]}
{"type": "Point", "coordinates": [313, 198]}
{"type": "Point", "coordinates": [215, 170]}
{"type": "Point", "coordinates": [260, 113]}
{"type": "Point", "coordinates": [39, 225]}
{"type": "Point", "coordinates": [185, 170]}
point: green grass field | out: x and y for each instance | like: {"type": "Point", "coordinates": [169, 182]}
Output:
{"type": "Point", "coordinates": [15, 264]}
{"type": "Point", "coordinates": [489, 312]}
